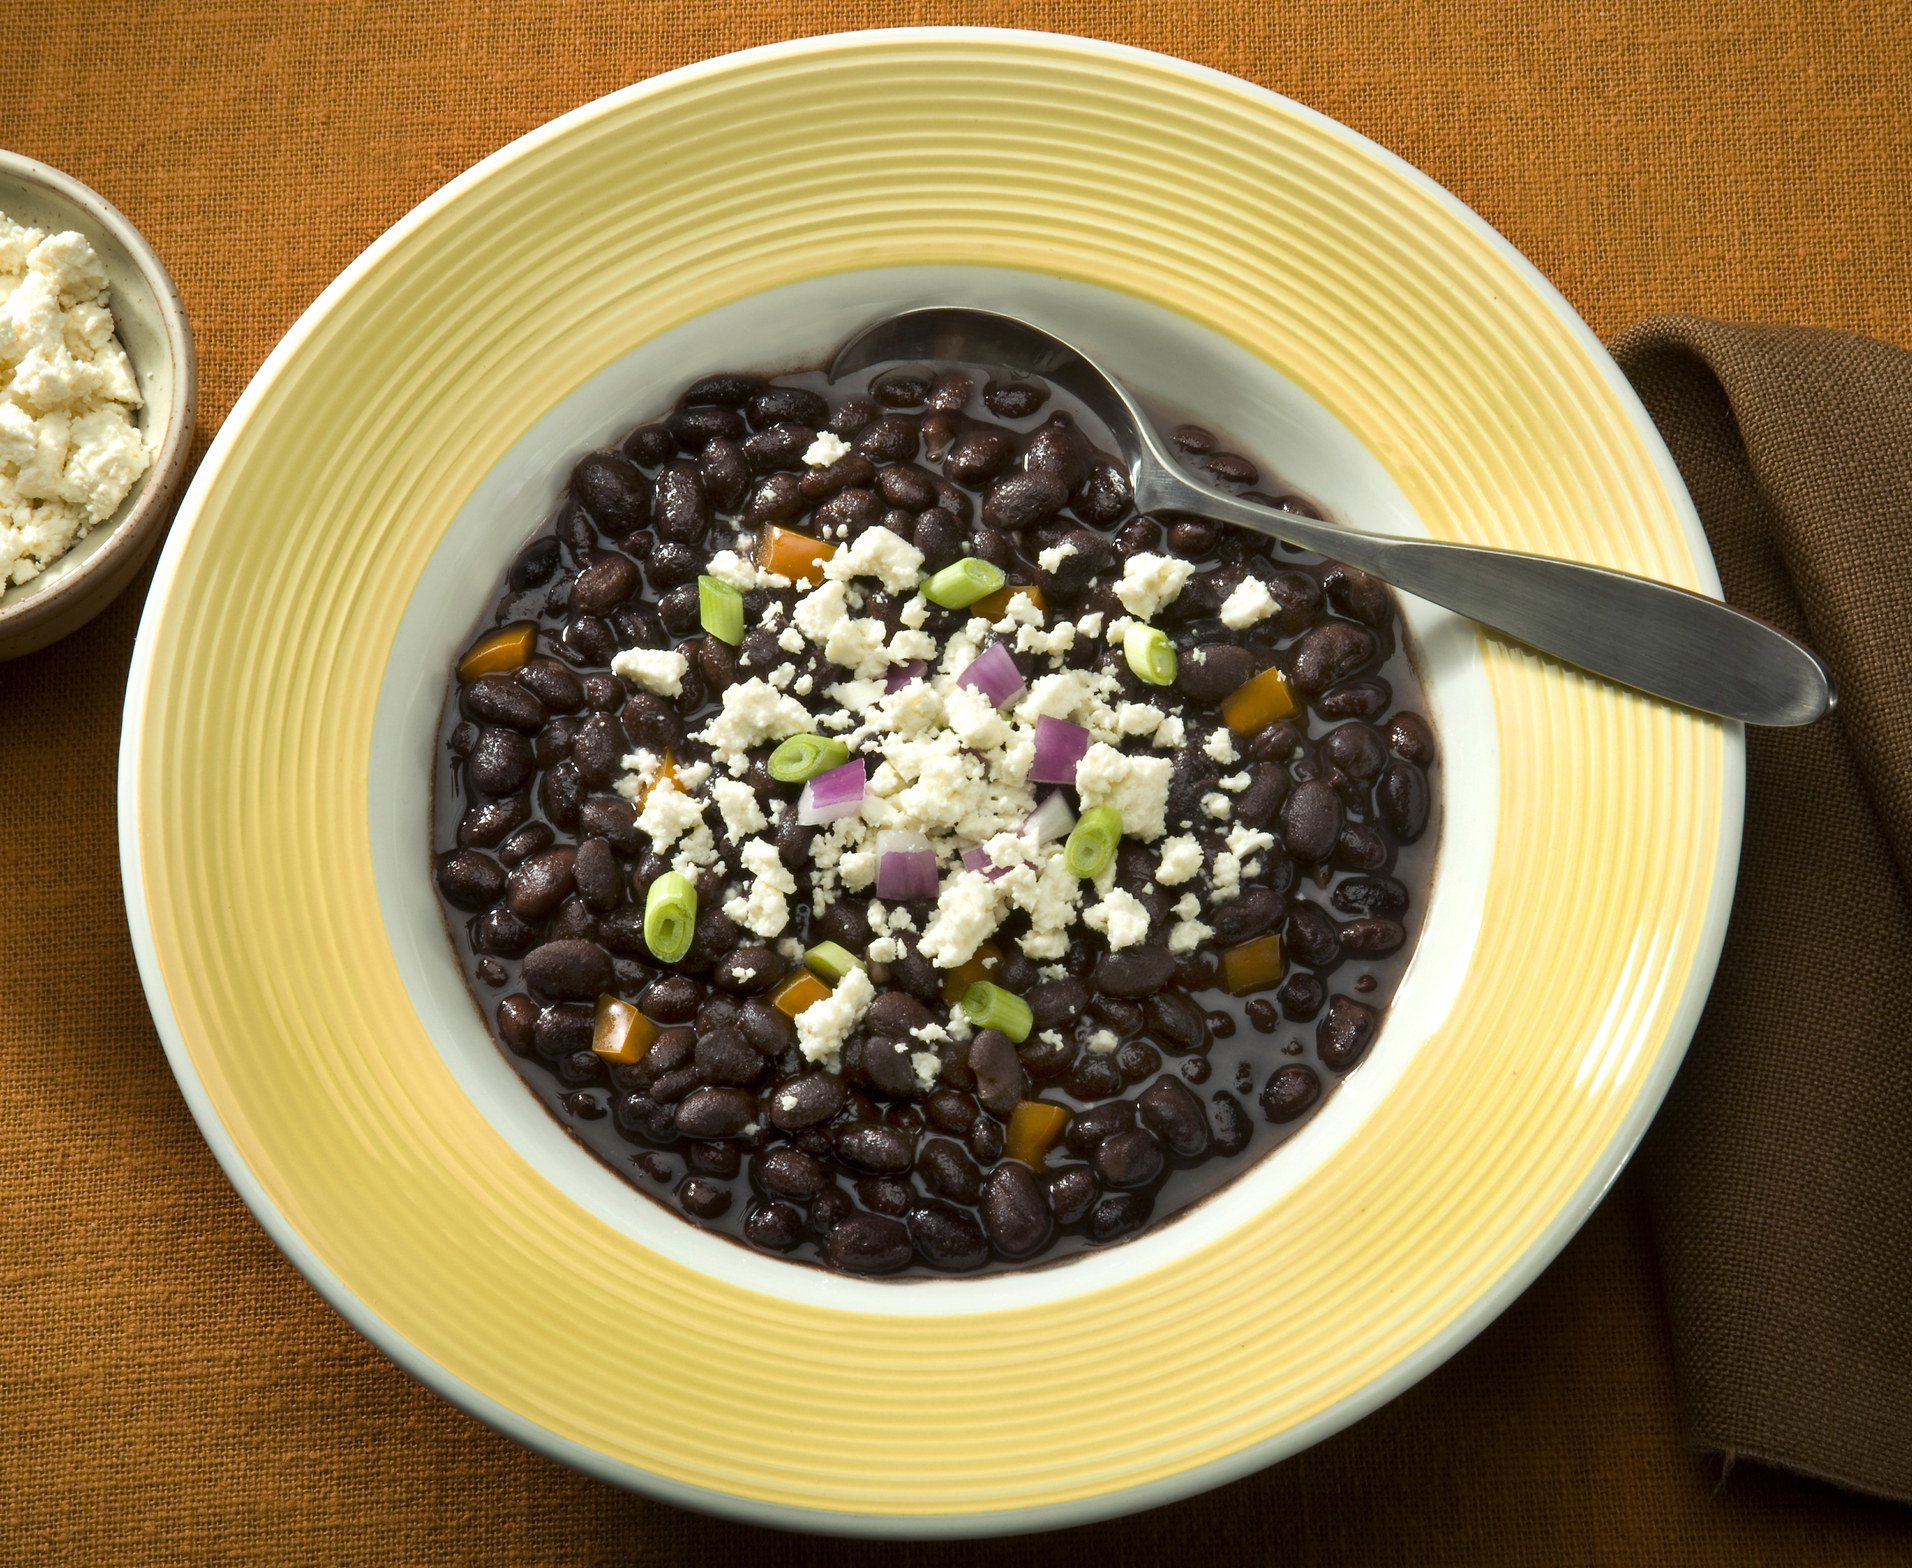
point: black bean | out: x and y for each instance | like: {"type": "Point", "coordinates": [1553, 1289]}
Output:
{"type": "Point", "coordinates": [1362, 699]}
{"type": "Point", "coordinates": [889, 439]}
{"type": "Point", "coordinates": [946, 1238]}
{"type": "Point", "coordinates": [731, 391]}
{"type": "Point", "coordinates": [951, 1110]}
{"type": "Point", "coordinates": [777, 499]}
{"type": "Point", "coordinates": [851, 510]}
{"type": "Point", "coordinates": [1228, 1123]}
{"type": "Point", "coordinates": [1136, 1060]}
{"type": "Point", "coordinates": [1000, 1082]}
{"type": "Point", "coordinates": [949, 1172]}
{"type": "Point", "coordinates": [776, 1227]}
{"type": "Point", "coordinates": [1071, 1189]}
{"type": "Point", "coordinates": [1301, 997]}
{"type": "Point", "coordinates": [764, 1026]}
{"type": "Point", "coordinates": [1174, 1020]}
{"type": "Point", "coordinates": [561, 793]}
{"type": "Point", "coordinates": [724, 1056]}
{"type": "Point", "coordinates": [778, 446]}
{"type": "Point", "coordinates": [680, 509]}
{"type": "Point", "coordinates": [904, 388]}
{"type": "Point", "coordinates": [750, 968]}
{"type": "Point", "coordinates": [1401, 799]}
{"type": "Point", "coordinates": [847, 921]}
{"type": "Point", "coordinates": [1014, 399]}
{"type": "Point", "coordinates": [1255, 807]}
{"type": "Point", "coordinates": [702, 1198]}
{"type": "Point", "coordinates": [1014, 1214]}
{"type": "Point", "coordinates": [1311, 821]}
{"type": "Point", "coordinates": [672, 1000]}
{"type": "Point", "coordinates": [605, 584]}
{"type": "Point", "coordinates": [907, 486]}
{"type": "Point", "coordinates": [1328, 654]}
{"type": "Point", "coordinates": [784, 1172]}
{"type": "Point", "coordinates": [469, 880]}
{"type": "Point", "coordinates": [538, 885]}
{"type": "Point", "coordinates": [1022, 500]}
{"type": "Point", "coordinates": [648, 445]}
{"type": "Point", "coordinates": [497, 699]}
{"type": "Point", "coordinates": [1258, 909]}
{"type": "Point", "coordinates": [808, 1100]}
{"type": "Point", "coordinates": [869, 1244]}
{"type": "Point", "coordinates": [562, 1030]}
{"type": "Point", "coordinates": [1310, 937]}
{"type": "Point", "coordinates": [695, 428]}
{"type": "Point", "coordinates": [1094, 1076]}
{"type": "Point", "coordinates": [535, 565]}
{"type": "Point", "coordinates": [500, 931]}
{"type": "Point", "coordinates": [597, 875]}
{"type": "Point", "coordinates": [1290, 1092]}
{"type": "Point", "coordinates": [1370, 896]}
{"type": "Point", "coordinates": [1129, 1159]}
{"type": "Point", "coordinates": [896, 1013]}
{"type": "Point", "coordinates": [1134, 972]}
{"type": "Point", "coordinates": [588, 640]}
{"type": "Point", "coordinates": [1088, 1129]}
{"type": "Point", "coordinates": [1345, 1032]}
{"type": "Point", "coordinates": [1409, 736]}
{"type": "Point", "coordinates": [652, 723]}
{"type": "Point", "coordinates": [1122, 1016]}
{"type": "Point", "coordinates": [1231, 468]}
{"type": "Point", "coordinates": [886, 1064]}
{"type": "Point", "coordinates": [1119, 1214]}
{"type": "Point", "coordinates": [597, 749]}
{"type": "Point", "coordinates": [613, 490]}
{"type": "Point", "coordinates": [500, 763]}
{"type": "Point", "coordinates": [985, 1139]}
{"type": "Point", "coordinates": [950, 391]}
{"type": "Point", "coordinates": [517, 1018]}
{"type": "Point", "coordinates": [939, 536]}
{"type": "Point", "coordinates": [1372, 937]}
{"type": "Point", "coordinates": [1057, 1003]}
{"type": "Point", "coordinates": [1175, 1115]}
{"type": "Point", "coordinates": [1356, 748]}
{"type": "Point", "coordinates": [555, 687]}
{"type": "Point", "coordinates": [1356, 595]}
{"type": "Point", "coordinates": [1360, 848]}
{"type": "Point", "coordinates": [1193, 440]}
{"type": "Point", "coordinates": [573, 922]}
{"type": "Point", "coordinates": [1105, 495]}
{"type": "Point", "coordinates": [486, 823]}
{"type": "Point", "coordinates": [885, 1195]}
{"type": "Point", "coordinates": [800, 404]}
{"type": "Point", "coordinates": [552, 744]}
{"type": "Point", "coordinates": [979, 454]}
{"type": "Point", "coordinates": [1058, 448]}
{"type": "Point", "coordinates": [712, 1112]}
{"type": "Point", "coordinates": [568, 971]}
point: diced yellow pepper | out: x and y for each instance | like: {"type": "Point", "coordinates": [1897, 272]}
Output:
{"type": "Point", "coordinates": [1254, 966]}
{"type": "Point", "coordinates": [994, 606]}
{"type": "Point", "coordinates": [621, 1033]}
{"type": "Point", "coordinates": [796, 556]}
{"type": "Point", "coordinates": [1257, 703]}
{"type": "Point", "coordinates": [499, 652]}
{"type": "Point", "coordinates": [981, 965]}
{"type": "Point", "coordinates": [1034, 1127]}
{"type": "Point", "coordinates": [802, 990]}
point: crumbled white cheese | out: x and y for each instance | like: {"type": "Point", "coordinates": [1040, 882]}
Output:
{"type": "Point", "coordinates": [738, 805]}
{"type": "Point", "coordinates": [1246, 841]}
{"type": "Point", "coordinates": [1173, 735]}
{"type": "Point", "coordinates": [1235, 783]}
{"type": "Point", "coordinates": [1090, 625]}
{"type": "Point", "coordinates": [925, 1065]}
{"type": "Point", "coordinates": [1150, 581]}
{"type": "Point", "coordinates": [790, 640]}
{"type": "Point", "coordinates": [1219, 747]}
{"type": "Point", "coordinates": [1181, 859]}
{"type": "Point", "coordinates": [1218, 805]}
{"type": "Point", "coordinates": [766, 908]}
{"type": "Point", "coordinates": [821, 609]}
{"type": "Point", "coordinates": [878, 553]}
{"type": "Point", "coordinates": [668, 815]}
{"type": "Point", "coordinates": [1137, 787]}
{"type": "Point", "coordinates": [1188, 906]}
{"type": "Point", "coordinates": [69, 450]}
{"type": "Point", "coordinates": [859, 645]}
{"type": "Point", "coordinates": [1250, 602]}
{"type": "Point", "coordinates": [1103, 1041]}
{"type": "Point", "coordinates": [659, 670]}
{"type": "Point", "coordinates": [1120, 917]}
{"type": "Point", "coordinates": [1187, 935]}
{"type": "Point", "coordinates": [1053, 557]}
{"type": "Point", "coordinates": [754, 711]}
{"type": "Point", "coordinates": [824, 1025]}
{"type": "Point", "coordinates": [826, 449]}
{"type": "Point", "coordinates": [732, 568]}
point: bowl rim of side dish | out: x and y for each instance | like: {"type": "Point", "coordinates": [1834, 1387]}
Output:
{"type": "Point", "coordinates": [436, 1240]}
{"type": "Point", "coordinates": [143, 298]}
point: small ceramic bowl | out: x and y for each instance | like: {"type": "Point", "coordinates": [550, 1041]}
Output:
{"type": "Point", "coordinates": [150, 320]}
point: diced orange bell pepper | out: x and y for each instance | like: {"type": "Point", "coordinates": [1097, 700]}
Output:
{"type": "Point", "coordinates": [1257, 703]}
{"type": "Point", "coordinates": [994, 606]}
{"type": "Point", "coordinates": [500, 652]}
{"type": "Point", "coordinates": [621, 1033]}
{"type": "Point", "coordinates": [1254, 966]}
{"type": "Point", "coordinates": [981, 965]}
{"type": "Point", "coordinates": [666, 775]}
{"type": "Point", "coordinates": [1034, 1127]}
{"type": "Point", "coordinates": [796, 556]}
{"type": "Point", "coordinates": [802, 990]}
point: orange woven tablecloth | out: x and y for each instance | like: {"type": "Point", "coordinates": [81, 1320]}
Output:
{"type": "Point", "coordinates": [172, 1392]}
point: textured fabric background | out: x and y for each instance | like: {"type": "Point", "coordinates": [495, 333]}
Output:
{"type": "Point", "coordinates": [172, 1393]}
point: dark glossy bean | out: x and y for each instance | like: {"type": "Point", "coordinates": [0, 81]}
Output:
{"type": "Point", "coordinates": [562, 1030]}
{"type": "Point", "coordinates": [703, 1199]}
{"type": "Point", "coordinates": [1290, 1093]}
{"type": "Point", "coordinates": [1174, 1020]}
{"type": "Point", "coordinates": [712, 1112]}
{"type": "Point", "coordinates": [1192, 440]}
{"type": "Point", "coordinates": [692, 429]}
{"type": "Point", "coordinates": [1301, 997]}
{"type": "Point", "coordinates": [1401, 799]}
{"type": "Point", "coordinates": [1119, 1214]}
{"type": "Point", "coordinates": [561, 793]}
{"type": "Point", "coordinates": [904, 388]}
{"type": "Point", "coordinates": [869, 1244]}
{"type": "Point", "coordinates": [1372, 937]}
{"type": "Point", "coordinates": [568, 971]}
{"type": "Point", "coordinates": [1014, 398]}
{"type": "Point", "coordinates": [597, 874]}
{"type": "Point", "coordinates": [576, 531]}
{"type": "Point", "coordinates": [1255, 807]}
{"type": "Point", "coordinates": [498, 699]}
{"type": "Point", "coordinates": [1213, 671]}
{"type": "Point", "coordinates": [1058, 448]}
{"type": "Point", "coordinates": [808, 1100]}
{"type": "Point", "coordinates": [949, 1172]}
{"type": "Point", "coordinates": [764, 1026]}
{"type": "Point", "coordinates": [724, 1056]}
{"type": "Point", "coordinates": [1357, 595]}
{"type": "Point", "coordinates": [1345, 1032]}
{"type": "Point", "coordinates": [680, 611]}
{"type": "Point", "coordinates": [750, 968]}
{"type": "Point", "coordinates": [672, 1000]}
{"type": "Point", "coordinates": [1311, 821]}
{"type": "Point", "coordinates": [552, 744]}
{"type": "Point", "coordinates": [1356, 749]}
{"type": "Point", "coordinates": [1093, 1076]}
{"type": "Point", "coordinates": [538, 885]}
{"type": "Point", "coordinates": [672, 1051]}
{"type": "Point", "coordinates": [780, 446]}
{"type": "Point", "coordinates": [1231, 468]}
{"type": "Point", "coordinates": [1360, 848]}
{"type": "Point", "coordinates": [714, 1159]}
{"type": "Point", "coordinates": [1134, 972]}
{"type": "Point", "coordinates": [1410, 738]}
{"type": "Point", "coordinates": [1124, 1017]}
{"type": "Point", "coordinates": [555, 687]}
{"type": "Point", "coordinates": [946, 1238]}
{"type": "Point", "coordinates": [1022, 500]}
{"type": "Point", "coordinates": [1129, 1159]}
{"type": "Point", "coordinates": [775, 1227]}
{"type": "Point", "coordinates": [778, 498]}
{"type": "Point", "coordinates": [939, 536]}
{"type": "Point", "coordinates": [1015, 1217]}
{"type": "Point", "coordinates": [1228, 1123]}
{"type": "Point", "coordinates": [1057, 1003]}
{"type": "Point", "coordinates": [500, 763]}
{"type": "Point", "coordinates": [648, 445]}
{"type": "Point", "coordinates": [1088, 1129]}
{"type": "Point", "coordinates": [894, 1013]}
{"type": "Point", "coordinates": [588, 640]}
{"type": "Point", "coordinates": [1070, 1189]}
{"type": "Point", "coordinates": [613, 490]}
{"type": "Point", "coordinates": [849, 416]}
{"type": "Point", "coordinates": [1135, 536]}
{"type": "Point", "coordinates": [605, 584]}
{"type": "Point", "coordinates": [1370, 896]}
{"type": "Point", "coordinates": [1328, 654]}
{"type": "Point", "coordinates": [652, 723]}
{"type": "Point", "coordinates": [680, 509]}
{"type": "Point", "coordinates": [1136, 1060]}
{"type": "Point", "coordinates": [535, 565]}
{"type": "Point", "coordinates": [985, 1140]}
{"type": "Point", "coordinates": [1310, 937]}
{"type": "Point", "coordinates": [1001, 1084]}
{"type": "Point", "coordinates": [951, 1110]}
{"type": "Point", "coordinates": [517, 1017]}
{"type": "Point", "coordinates": [469, 880]}
{"type": "Point", "coordinates": [725, 388]}
{"type": "Point", "coordinates": [1258, 909]}
{"type": "Point", "coordinates": [907, 486]}
{"type": "Point", "coordinates": [1175, 1116]}
{"type": "Point", "coordinates": [1363, 699]}
{"type": "Point", "coordinates": [501, 932]}
{"type": "Point", "coordinates": [851, 510]}
{"type": "Point", "coordinates": [889, 439]}
{"type": "Point", "coordinates": [597, 750]}
{"type": "Point", "coordinates": [886, 1063]}
{"type": "Point", "coordinates": [784, 1172]}
{"type": "Point", "coordinates": [799, 404]}
{"type": "Point", "coordinates": [573, 922]}
{"type": "Point", "coordinates": [1105, 496]}
{"type": "Point", "coordinates": [485, 824]}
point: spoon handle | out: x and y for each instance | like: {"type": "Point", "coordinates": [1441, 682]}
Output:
{"type": "Point", "coordinates": [1665, 640]}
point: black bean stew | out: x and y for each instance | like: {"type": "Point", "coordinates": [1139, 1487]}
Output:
{"type": "Point", "coordinates": [1148, 1073]}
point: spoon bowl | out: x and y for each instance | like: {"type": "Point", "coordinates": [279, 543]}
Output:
{"type": "Point", "coordinates": [1667, 641]}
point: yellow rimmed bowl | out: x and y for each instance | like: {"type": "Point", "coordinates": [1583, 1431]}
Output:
{"type": "Point", "coordinates": [1230, 252]}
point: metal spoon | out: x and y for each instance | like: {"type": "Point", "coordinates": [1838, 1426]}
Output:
{"type": "Point", "coordinates": [1661, 639]}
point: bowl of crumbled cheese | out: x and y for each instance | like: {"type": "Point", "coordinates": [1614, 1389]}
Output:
{"type": "Point", "coordinates": [98, 385]}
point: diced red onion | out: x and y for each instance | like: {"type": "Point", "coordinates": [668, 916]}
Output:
{"type": "Point", "coordinates": [1052, 819]}
{"type": "Point", "coordinates": [993, 673]}
{"type": "Point", "coordinates": [832, 795]}
{"type": "Point", "coordinates": [1060, 745]}
{"type": "Point", "coordinates": [977, 859]}
{"type": "Point", "coordinates": [903, 674]}
{"type": "Point", "coordinates": [905, 865]}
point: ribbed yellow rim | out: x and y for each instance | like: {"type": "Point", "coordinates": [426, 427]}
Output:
{"type": "Point", "coordinates": [250, 723]}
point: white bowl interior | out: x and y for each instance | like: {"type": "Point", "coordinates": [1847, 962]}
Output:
{"type": "Point", "coordinates": [139, 320]}
{"type": "Point", "coordinates": [1166, 358]}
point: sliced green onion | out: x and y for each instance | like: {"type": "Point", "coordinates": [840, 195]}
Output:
{"type": "Point", "coordinates": [989, 1006]}
{"type": "Point", "coordinates": [1150, 654]}
{"type": "Point", "coordinates": [721, 608]}
{"type": "Point", "coordinates": [803, 757]}
{"type": "Point", "coordinates": [670, 917]}
{"type": "Point", "coordinates": [832, 961]}
{"type": "Point", "coordinates": [963, 583]}
{"type": "Point", "coordinates": [1092, 841]}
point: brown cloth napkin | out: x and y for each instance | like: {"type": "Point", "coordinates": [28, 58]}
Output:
{"type": "Point", "coordinates": [1780, 1169]}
